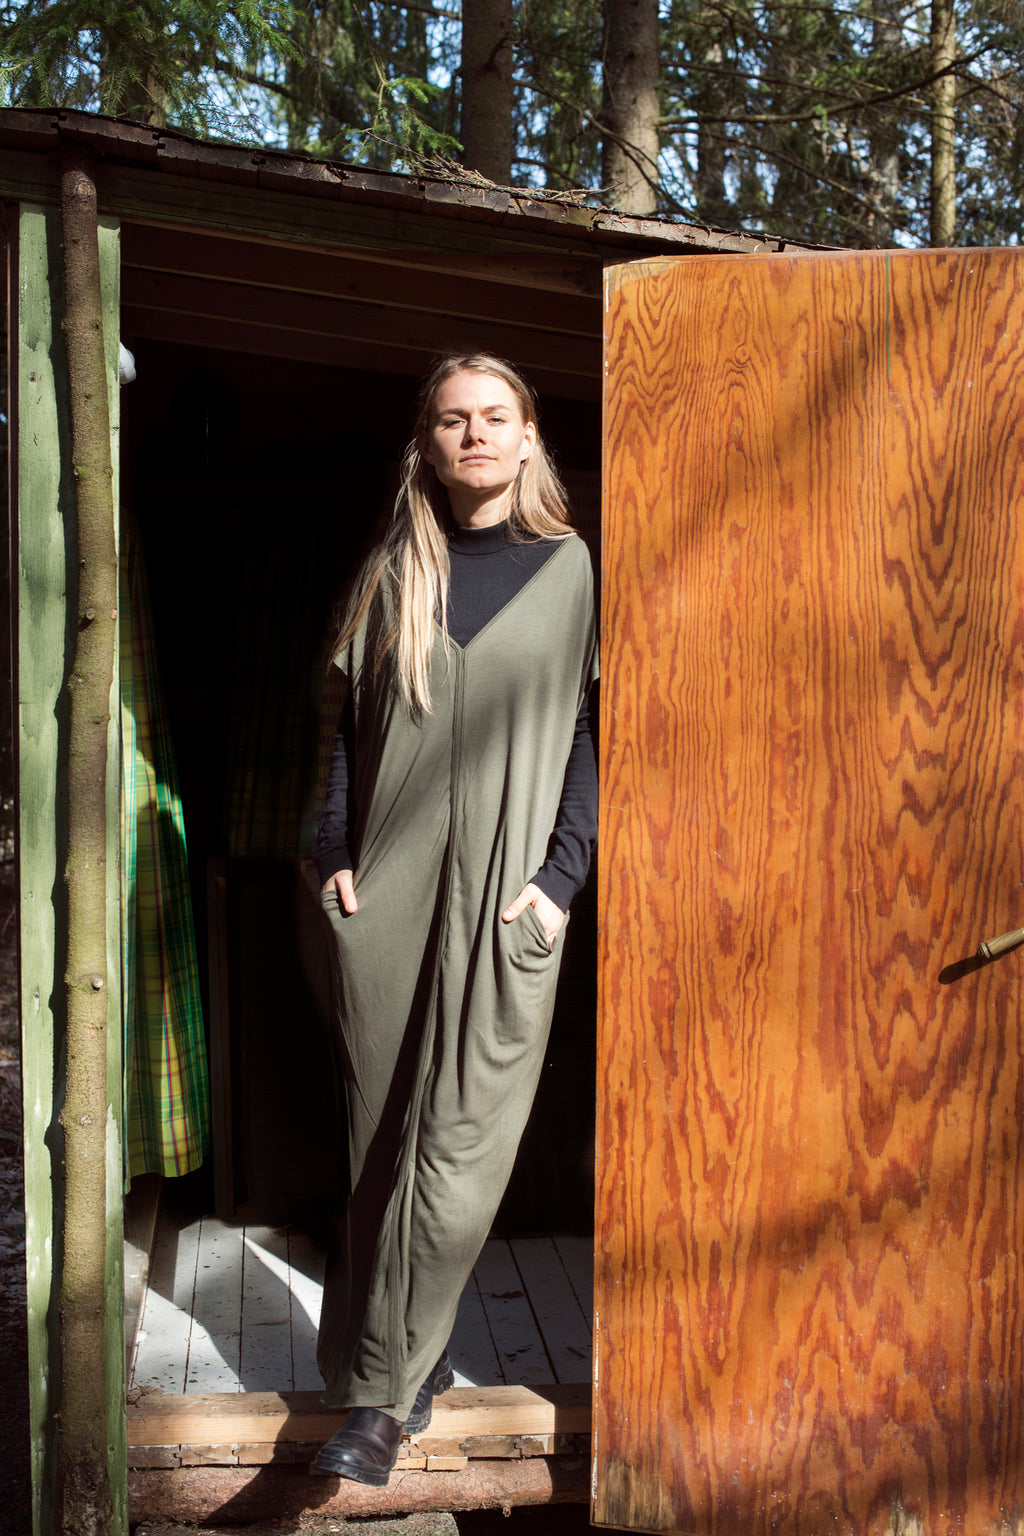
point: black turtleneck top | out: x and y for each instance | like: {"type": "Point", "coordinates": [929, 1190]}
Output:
{"type": "Point", "coordinates": [488, 567]}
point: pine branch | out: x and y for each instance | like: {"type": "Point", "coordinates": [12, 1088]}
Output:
{"type": "Point", "coordinates": [424, 10]}
{"type": "Point", "coordinates": [642, 161]}
{"type": "Point", "coordinates": [248, 77]}
{"type": "Point", "coordinates": [813, 172]}
{"type": "Point", "coordinates": [852, 106]}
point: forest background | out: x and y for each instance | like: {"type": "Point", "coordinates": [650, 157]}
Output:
{"type": "Point", "coordinates": [843, 122]}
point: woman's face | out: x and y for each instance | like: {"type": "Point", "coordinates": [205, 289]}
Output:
{"type": "Point", "coordinates": [477, 441]}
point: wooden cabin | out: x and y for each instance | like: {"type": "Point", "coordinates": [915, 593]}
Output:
{"type": "Point", "coordinates": [280, 312]}
{"type": "Point", "coordinates": [807, 1275]}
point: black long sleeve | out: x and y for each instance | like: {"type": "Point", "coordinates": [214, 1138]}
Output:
{"type": "Point", "coordinates": [572, 844]}
{"type": "Point", "coordinates": [333, 850]}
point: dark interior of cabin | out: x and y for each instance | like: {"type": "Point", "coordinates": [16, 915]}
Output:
{"type": "Point", "coordinates": [250, 487]}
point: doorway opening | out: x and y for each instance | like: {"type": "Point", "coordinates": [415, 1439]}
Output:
{"type": "Point", "coordinates": [251, 484]}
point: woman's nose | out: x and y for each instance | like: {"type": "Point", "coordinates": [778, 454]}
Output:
{"type": "Point", "coordinates": [475, 429]}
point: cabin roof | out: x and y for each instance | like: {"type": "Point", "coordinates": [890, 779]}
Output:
{"type": "Point", "coordinates": [29, 140]}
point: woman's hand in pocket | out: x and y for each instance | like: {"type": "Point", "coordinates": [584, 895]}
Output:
{"type": "Point", "coordinates": [342, 884]}
{"type": "Point", "coordinates": [551, 917]}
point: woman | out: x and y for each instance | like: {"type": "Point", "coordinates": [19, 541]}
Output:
{"type": "Point", "coordinates": [460, 820]}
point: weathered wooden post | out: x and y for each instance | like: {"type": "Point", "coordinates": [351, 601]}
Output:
{"type": "Point", "coordinates": [84, 1495]}
{"type": "Point", "coordinates": [74, 1305]}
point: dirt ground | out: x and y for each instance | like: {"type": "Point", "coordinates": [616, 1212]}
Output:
{"type": "Point", "coordinates": [540, 1520]}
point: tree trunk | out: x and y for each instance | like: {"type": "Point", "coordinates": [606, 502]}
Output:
{"type": "Point", "coordinates": [629, 159]}
{"type": "Point", "coordinates": [943, 188]}
{"type": "Point", "coordinates": [884, 130]}
{"type": "Point", "coordinates": [487, 100]}
{"type": "Point", "coordinates": [709, 181]}
{"type": "Point", "coordinates": [84, 1494]}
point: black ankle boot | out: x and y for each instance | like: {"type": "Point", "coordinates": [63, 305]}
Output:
{"type": "Point", "coordinates": [364, 1449]}
{"type": "Point", "coordinates": [440, 1379]}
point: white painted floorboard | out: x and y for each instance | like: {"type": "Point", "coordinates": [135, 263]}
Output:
{"type": "Point", "coordinates": [235, 1309]}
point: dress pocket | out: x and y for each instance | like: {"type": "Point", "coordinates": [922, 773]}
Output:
{"type": "Point", "coordinates": [334, 913]}
{"type": "Point", "coordinates": [532, 921]}
{"type": "Point", "coordinates": [533, 935]}
{"type": "Point", "coordinates": [529, 979]}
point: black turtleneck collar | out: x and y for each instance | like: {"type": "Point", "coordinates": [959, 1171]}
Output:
{"type": "Point", "coordinates": [481, 541]}
{"type": "Point", "coordinates": [480, 588]}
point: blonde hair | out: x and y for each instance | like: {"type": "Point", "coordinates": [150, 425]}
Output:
{"type": "Point", "coordinates": [414, 549]}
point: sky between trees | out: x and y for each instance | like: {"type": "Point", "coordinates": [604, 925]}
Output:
{"type": "Point", "coordinates": [849, 122]}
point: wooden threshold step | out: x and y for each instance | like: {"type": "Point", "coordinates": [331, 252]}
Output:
{"type": "Point", "coordinates": [416, 1455]}
{"type": "Point", "coordinates": [270, 1418]}
{"type": "Point", "coordinates": [204, 1495]}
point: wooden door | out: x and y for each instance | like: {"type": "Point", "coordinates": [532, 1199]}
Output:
{"type": "Point", "coordinates": [810, 1314]}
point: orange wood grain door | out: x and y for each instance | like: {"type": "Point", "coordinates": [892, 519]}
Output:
{"type": "Point", "coordinates": [810, 1310]}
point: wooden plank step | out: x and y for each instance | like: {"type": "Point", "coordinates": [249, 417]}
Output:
{"type": "Point", "coordinates": [412, 1456]}
{"type": "Point", "coordinates": [227, 1418]}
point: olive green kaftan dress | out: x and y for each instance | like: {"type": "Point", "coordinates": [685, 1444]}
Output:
{"type": "Point", "coordinates": [444, 1010]}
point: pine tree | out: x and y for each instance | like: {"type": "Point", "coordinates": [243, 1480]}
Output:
{"type": "Point", "coordinates": [849, 122]}
{"type": "Point", "coordinates": [630, 107]}
{"type": "Point", "coordinates": [149, 60]}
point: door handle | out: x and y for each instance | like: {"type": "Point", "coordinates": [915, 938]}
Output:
{"type": "Point", "coordinates": [991, 949]}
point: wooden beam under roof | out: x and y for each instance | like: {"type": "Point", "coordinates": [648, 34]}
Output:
{"type": "Point", "coordinates": [228, 207]}
{"type": "Point", "coordinates": [384, 325]}
{"type": "Point", "coordinates": [259, 208]}
{"type": "Point", "coordinates": [218, 335]}
{"type": "Point", "coordinates": [337, 277]}
{"type": "Point", "coordinates": [579, 276]}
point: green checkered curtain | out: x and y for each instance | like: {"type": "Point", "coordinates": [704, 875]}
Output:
{"type": "Point", "coordinates": [167, 1097]}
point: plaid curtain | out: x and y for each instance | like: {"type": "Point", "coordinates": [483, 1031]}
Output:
{"type": "Point", "coordinates": [167, 1099]}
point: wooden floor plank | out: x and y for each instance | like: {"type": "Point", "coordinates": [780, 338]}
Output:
{"type": "Point", "coordinates": [473, 1355]}
{"type": "Point", "coordinates": [266, 1340]}
{"type": "Point", "coordinates": [577, 1255]}
{"type": "Point", "coordinates": [141, 1209]}
{"type": "Point", "coordinates": [306, 1271]}
{"type": "Point", "coordinates": [161, 1356]}
{"type": "Point", "coordinates": [516, 1337]}
{"type": "Point", "coordinates": [216, 1312]}
{"type": "Point", "coordinates": [563, 1327]}
{"type": "Point", "coordinates": [266, 1360]}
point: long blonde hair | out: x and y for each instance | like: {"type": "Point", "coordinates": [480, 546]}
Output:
{"type": "Point", "coordinates": [414, 550]}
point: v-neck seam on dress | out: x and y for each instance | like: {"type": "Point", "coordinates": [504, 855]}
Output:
{"type": "Point", "coordinates": [512, 600]}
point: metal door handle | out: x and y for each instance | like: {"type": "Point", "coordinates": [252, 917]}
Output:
{"type": "Point", "coordinates": [993, 948]}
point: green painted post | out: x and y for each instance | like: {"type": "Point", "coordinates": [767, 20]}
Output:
{"type": "Point", "coordinates": [113, 1341]}
{"type": "Point", "coordinates": [113, 1332]}
{"type": "Point", "coordinates": [45, 554]}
